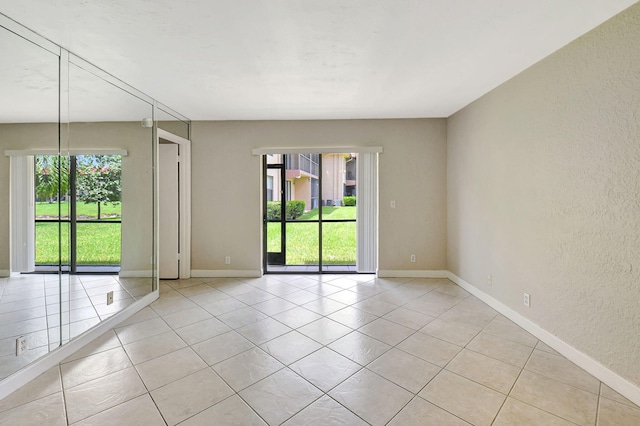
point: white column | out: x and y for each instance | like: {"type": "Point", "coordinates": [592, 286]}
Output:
{"type": "Point", "coordinates": [367, 212]}
{"type": "Point", "coordinates": [22, 214]}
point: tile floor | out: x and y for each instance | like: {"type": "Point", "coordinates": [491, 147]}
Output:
{"type": "Point", "coordinates": [30, 306]}
{"type": "Point", "coordinates": [317, 350]}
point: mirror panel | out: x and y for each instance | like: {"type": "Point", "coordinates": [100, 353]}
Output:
{"type": "Point", "coordinates": [113, 193]}
{"type": "Point", "coordinates": [29, 303]}
{"type": "Point", "coordinates": [172, 122]}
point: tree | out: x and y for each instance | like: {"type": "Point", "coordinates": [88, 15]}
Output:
{"type": "Point", "coordinates": [99, 179]}
{"type": "Point", "coordinates": [52, 175]}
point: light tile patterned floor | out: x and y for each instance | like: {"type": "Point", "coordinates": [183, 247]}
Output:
{"type": "Point", "coordinates": [317, 350]}
{"type": "Point", "coordinates": [30, 306]}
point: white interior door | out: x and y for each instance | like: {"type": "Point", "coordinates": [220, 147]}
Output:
{"type": "Point", "coordinates": [168, 211]}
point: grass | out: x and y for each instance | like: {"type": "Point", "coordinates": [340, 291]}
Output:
{"type": "Point", "coordinates": [338, 238]}
{"type": "Point", "coordinates": [89, 211]}
{"type": "Point", "coordinates": [98, 244]}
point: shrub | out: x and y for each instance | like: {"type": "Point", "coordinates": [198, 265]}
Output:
{"type": "Point", "coordinates": [273, 210]}
{"type": "Point", "coordinates": [293, 209]}
{"type": "Point", "coordinates": [349, 201]}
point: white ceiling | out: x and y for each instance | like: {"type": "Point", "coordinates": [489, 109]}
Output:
{"type": "Point", "coordinates": [320, 59]}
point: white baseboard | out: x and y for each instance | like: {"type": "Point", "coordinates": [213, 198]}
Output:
{"type": "Point", "coordinates": [136, 274]}
{"type": "Point", "coordinates": [413, 274]}
{"type": "Point", "coordinates": [5, 273]}
{"type": "Point", "coordinates": [226, 273]}
{"type": "Point", "coordinates": [582, 360]}
{"type": "Point", "coordinates": [53, 358]}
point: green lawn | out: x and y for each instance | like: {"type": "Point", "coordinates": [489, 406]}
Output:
{"type": "Point", "coordinates": [338, 239]}
{"type": "Point", "coordinates": [89, 211]}
{"type": "Point", "coordinates": [98, 244]}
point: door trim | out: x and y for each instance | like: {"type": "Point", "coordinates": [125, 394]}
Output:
{"type": "Point", "coordinates": [185, 199]}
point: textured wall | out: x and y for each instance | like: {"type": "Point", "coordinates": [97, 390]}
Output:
{"type": "Point", "coordinates": [544, 193]}
{"type": "Point", "coordinates": [226, 216]}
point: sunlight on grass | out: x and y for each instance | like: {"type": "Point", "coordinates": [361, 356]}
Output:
{"type": "Point", "coordinates": [98, 244]}
{"type": "Point", "coordinates": [338, 238]}
{"type": "Point", "coordinates": [82, 209]}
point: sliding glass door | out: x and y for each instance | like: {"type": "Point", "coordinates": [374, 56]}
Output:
{"type": "Point", "coordinates": [78, 197]}
{"type": "Point", "coordinates": [309, 212]}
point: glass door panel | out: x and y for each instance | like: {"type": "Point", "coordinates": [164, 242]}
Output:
{"type": "Point", "coordinates": [303, 238]}
{"type": "Point", "coordinates": [338, 245]}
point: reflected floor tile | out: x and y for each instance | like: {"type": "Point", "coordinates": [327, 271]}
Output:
{"type": "Point", "coordinates": [408, 371]}
{"type": "Point", "coordinates": [233, 411]}
{"type": "Point", "coordinates": [188, 396]}
{"type": "Point", "coordinates": [468, 400]}
{"type": "Point", "coordinates": [280, 396]}
{"type": "Point", "coordinates": [138, 411]}
{"type": "Point", "coordinates": [325, 368]}
{"type": "Point", "coordinates": [44, 411]}
{"type": "Point", "coordinates": [573, 404]}
{"type": "Point", "coordinates": [247, 368]}
{"type": "Point", "coordinates": [421, 412]}
{"type": "Point", "coordinates": [222, 347]}
{"type": "Point", "coordinates": [514, 412]}
{"type": "Point", "coordinates": [371, 397]}
{"type": "Point", "coordinates": [325, 412]}
{"type": "Point", "coordinates": [291, 347]}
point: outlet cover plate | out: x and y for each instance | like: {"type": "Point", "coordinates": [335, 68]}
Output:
{"type": "Point", "coordinates": [110, 298]}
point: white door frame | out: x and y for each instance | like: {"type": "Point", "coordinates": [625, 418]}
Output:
{"type": "Point", "coordinates": [185, 198]}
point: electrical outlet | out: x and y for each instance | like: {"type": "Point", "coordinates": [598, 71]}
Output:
{"type": "Point", "coordinates": [21, 345]}
{"type": "Point", "coordinates": [490, 280]}
{"type": "Point", "coordinates": [413, 258]}
{"type": "Point", "coordinates": [527, 300]}
{"type": "Point", "coordinates": [227, 260]}
{"type": "Point", "coordinates": [110, 298]}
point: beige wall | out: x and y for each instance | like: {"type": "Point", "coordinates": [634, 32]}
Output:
{"type": "Point", "coordinates": [544, 189]}
{"type": "Point", "coordinates": [227, 219]}
{"type": "Point", "coordinates": [333, 171]}
{"type": "Point", "coordinates": [136, 178]}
